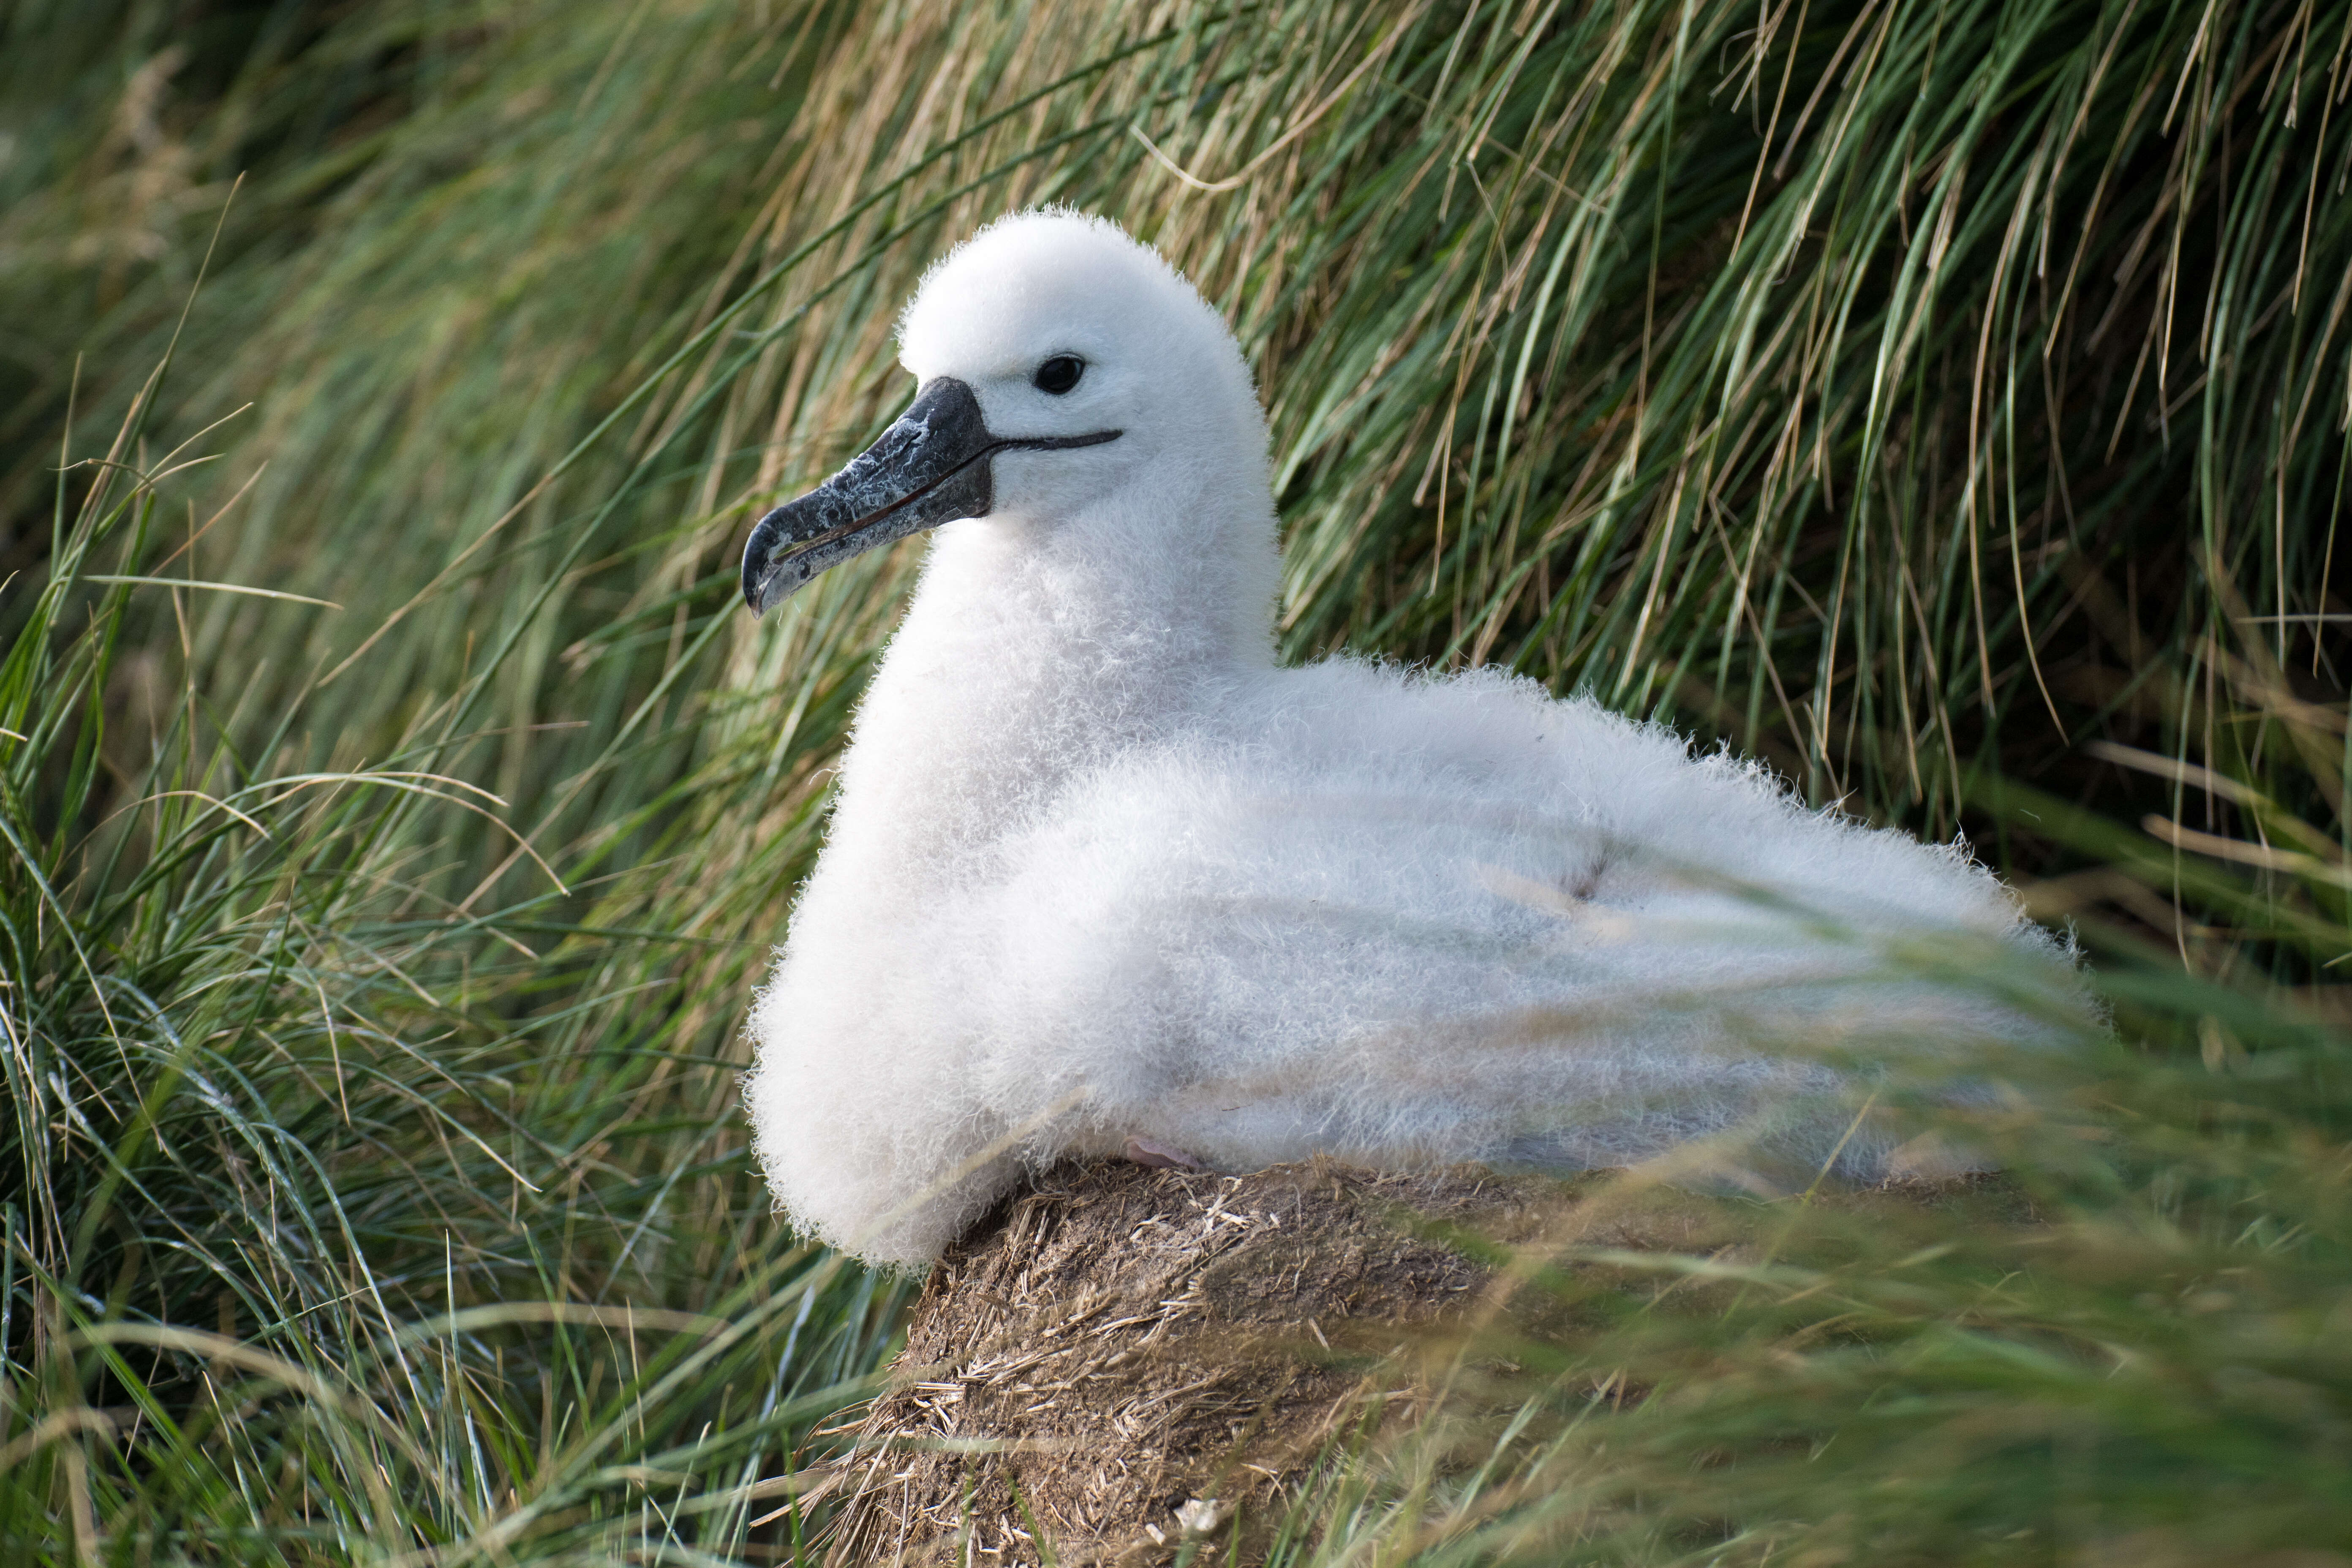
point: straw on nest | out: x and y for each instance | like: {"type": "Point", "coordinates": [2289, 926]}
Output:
{"type": "Point", "coordinates": [1120, 1360]}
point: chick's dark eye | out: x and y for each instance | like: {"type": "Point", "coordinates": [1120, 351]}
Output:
{"type": "Point", "coordinates": [1058, 375]}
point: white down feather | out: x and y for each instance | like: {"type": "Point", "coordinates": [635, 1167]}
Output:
{"type": "Point", "coordinates": [1098, 869]}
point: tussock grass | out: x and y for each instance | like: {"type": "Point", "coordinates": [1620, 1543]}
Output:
{"type": "Point", "coordinates": [316, 1243]}
{"type": "Point", "coordinates": [1946, 402]}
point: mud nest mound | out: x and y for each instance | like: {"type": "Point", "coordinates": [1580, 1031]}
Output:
{"type": "Point", "coordinates": [1120, 1360]}
{"type": "Point", "coordinates": [1122, 1363]}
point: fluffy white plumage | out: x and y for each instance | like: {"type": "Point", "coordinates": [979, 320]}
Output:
{"type": "Point", "coordinates": [1099, 869]}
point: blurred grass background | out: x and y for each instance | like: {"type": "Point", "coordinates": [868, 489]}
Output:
{"type": "Point", "coordinates": [1946, 402]}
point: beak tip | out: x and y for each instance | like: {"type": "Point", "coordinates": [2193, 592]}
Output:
{"type": "Point", "coordinates": [760, 568]}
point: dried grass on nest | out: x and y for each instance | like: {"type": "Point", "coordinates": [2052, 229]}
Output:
{"type": "Point", "coordinates": [1118, 1343]}
{"type": "Point", "coordinates": [1120, 1360]}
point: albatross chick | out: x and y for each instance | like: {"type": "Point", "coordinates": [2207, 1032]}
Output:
{"type": "Point", "coordinates": [1103, 878]}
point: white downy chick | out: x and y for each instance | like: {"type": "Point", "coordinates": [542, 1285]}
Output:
{"type": "Point", "coordinates": [1100, 870]}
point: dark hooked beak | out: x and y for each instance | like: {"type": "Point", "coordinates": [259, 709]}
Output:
{"type": "Point", "coordinates": [930, 466]}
